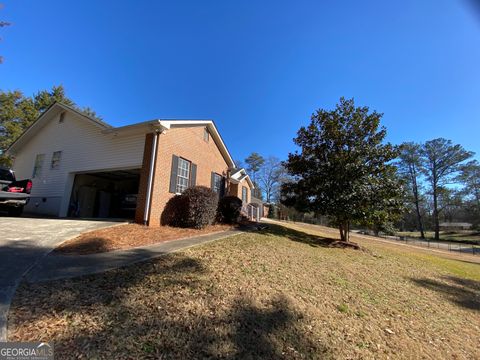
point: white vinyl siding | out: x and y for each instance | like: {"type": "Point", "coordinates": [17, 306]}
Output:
{"type": "Point", "coordinates": [84, 148]}
{"type": "Point", "coordinates": [37, 168]}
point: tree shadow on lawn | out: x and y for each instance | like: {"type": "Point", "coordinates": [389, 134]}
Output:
{"type": "Point", "coordinates": [303, 237]}
{"type": "Point", "coordinates": [462, 292]}
{"type": "Point", "coordinates": [167, 308]}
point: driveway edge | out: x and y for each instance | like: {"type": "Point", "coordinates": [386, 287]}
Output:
{"type": "Point", "coordinates": [57, 267]}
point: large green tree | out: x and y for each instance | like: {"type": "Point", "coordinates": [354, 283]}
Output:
{"type": "Point", "coordinates": [410, 167]}
{"type": "Point", "coordinates": [344, 169]}
{"type": "Point", "coordinates": [18, 111]}
{"type": "Point", "coordinates": [442, 160]}
{"type": "Point", "coordinates": [254, 163]}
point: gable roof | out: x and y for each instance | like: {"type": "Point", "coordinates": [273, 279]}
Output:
{"type": "Point", "coordinates": [146, 126]}
{"type": "Point", "coordinates": [53, 110]}
{"type": "Point", "coordinates": [240, 174]}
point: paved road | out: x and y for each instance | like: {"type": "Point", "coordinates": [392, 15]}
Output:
{"type": "Point", "coordinates": [23, 242]}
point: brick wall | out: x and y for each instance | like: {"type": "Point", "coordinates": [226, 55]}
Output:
{"type": "Point", "coordinates": [185, 142]}
{"type": "Point", "coordinates": [236, 190]}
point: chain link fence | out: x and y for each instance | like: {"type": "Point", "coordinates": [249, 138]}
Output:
{"type": "Point", "coordinates": [441, 245]}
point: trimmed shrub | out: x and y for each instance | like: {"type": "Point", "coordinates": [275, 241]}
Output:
{"type": "Point", "coordinates": [201, 207]}
{"type": "Point", "coordinates": [195, 208]}
{"type": "Point", "coordinates": [229, 208]}
{"type": "Point", "coordinates": [174, 212]}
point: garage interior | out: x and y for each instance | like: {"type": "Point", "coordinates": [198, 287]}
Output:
{"type": "Point", "coordinates": [106, 194]}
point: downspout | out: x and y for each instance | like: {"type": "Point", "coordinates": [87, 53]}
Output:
{"type": "Point", "coordinates": [148, 200]}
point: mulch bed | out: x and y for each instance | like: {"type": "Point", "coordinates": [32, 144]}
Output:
{"type": "Point", "coordinates": [129, 236]}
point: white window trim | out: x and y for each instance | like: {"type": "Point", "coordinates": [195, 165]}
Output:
{"type": "Point", "coordinates": [58, 161]}
{"type": "Point", "coordinates": [189, 174]}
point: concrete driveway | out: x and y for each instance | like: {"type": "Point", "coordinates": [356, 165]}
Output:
{"type": "Point", "coordinates": [23, 241]}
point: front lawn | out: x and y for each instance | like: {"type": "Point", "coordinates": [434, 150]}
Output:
{"type": "Point", "coordinates": [279, 293]}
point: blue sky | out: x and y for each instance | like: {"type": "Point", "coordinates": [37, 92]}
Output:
{"type": "Point", "coordinates": [258, 68]}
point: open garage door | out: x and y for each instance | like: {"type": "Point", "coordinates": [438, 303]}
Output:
{"type": "Point", "coordinates": [106, 194]}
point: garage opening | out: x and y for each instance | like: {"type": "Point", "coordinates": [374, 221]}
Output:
{"type": "Point", "coordinates": [106, 194]}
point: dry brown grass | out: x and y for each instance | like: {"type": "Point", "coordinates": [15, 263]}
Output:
{"type": "Point", "coordinates": [128, 236]}
{"type": "Point", "coordinates": [279, 293]}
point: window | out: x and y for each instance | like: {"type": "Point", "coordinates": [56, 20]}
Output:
{"type": "Point", "coordinates": [62, 117]}
{"type": "Point", "coordinates": [37, 168]}
{"type": "Point", "coordinates": [56, 157]}
{"type": "Point", "coordinates": [206, 134]}
{"type": "Point", "coordinates": [217, 183]}
{"type": "Point", "coordinates": [244, 194]}
{"type": "Point", "coordinates": [183, 175]}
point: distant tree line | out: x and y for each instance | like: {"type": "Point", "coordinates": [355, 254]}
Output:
{"type": "Point", "coordinates": [267, 175]}
{"type": "Point", "coordinates": [441, 185]}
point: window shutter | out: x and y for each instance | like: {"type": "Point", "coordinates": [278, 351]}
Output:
{"type": "Point", "coordinates": [222, 187]}
{"type": "Point", "coordinates": [173, 174]}
{"type": "Point", "coordinates": [212, 180]}
{"type": "Point", "coordinates": [193, 174]}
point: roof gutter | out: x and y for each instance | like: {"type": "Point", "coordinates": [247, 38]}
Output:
{"type": "Point", "coordinates": [148, 200]}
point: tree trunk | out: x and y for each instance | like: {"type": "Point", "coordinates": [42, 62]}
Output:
{"type": "Point", "coordinates": [435, 213]}
{"type": "Point", "coordinates": [344, 228]}
{"type": "Point", "coordinates": [477, 196]}
{"type": "Point", "coordinates": [419, 215]}
{"type": "Point", "coordinates": [413, 173]}
{"type": "Point", "coordinates": [267, 194]}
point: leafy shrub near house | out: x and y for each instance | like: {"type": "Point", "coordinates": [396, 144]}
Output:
{"type": "Point", "coordinates": [201, 204]}
{"type": "Point", "coordinates": [229, 208]}
{"type": "Point", "coordinates": [196, 208]}
{"type": "Point", "coordinates": [175, 212]}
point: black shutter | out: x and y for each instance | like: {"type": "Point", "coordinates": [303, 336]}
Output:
{"type": "Point", "coordinates": [173, 174]}
{"type": "Point", "coordinates": [193, 174]}
{"type": "Point", "coordinates": [222, 187]}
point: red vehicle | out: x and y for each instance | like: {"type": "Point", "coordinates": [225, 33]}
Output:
{"type": "Point", "coordinates": [14, 195]}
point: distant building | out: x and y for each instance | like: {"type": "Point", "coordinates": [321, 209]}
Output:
{"type": "Point", "coordinates": [449, 226]}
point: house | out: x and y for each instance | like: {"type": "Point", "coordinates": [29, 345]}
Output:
{"type": "Point", "coordinates": [452, 226]}
{"type": "Point", "coordinates": [83, 167]}
{"type": "Point", "coordinates": [257, 209]}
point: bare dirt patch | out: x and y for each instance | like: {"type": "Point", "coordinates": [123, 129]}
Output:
{"type": "Point", "coordinates": [128, 236]}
